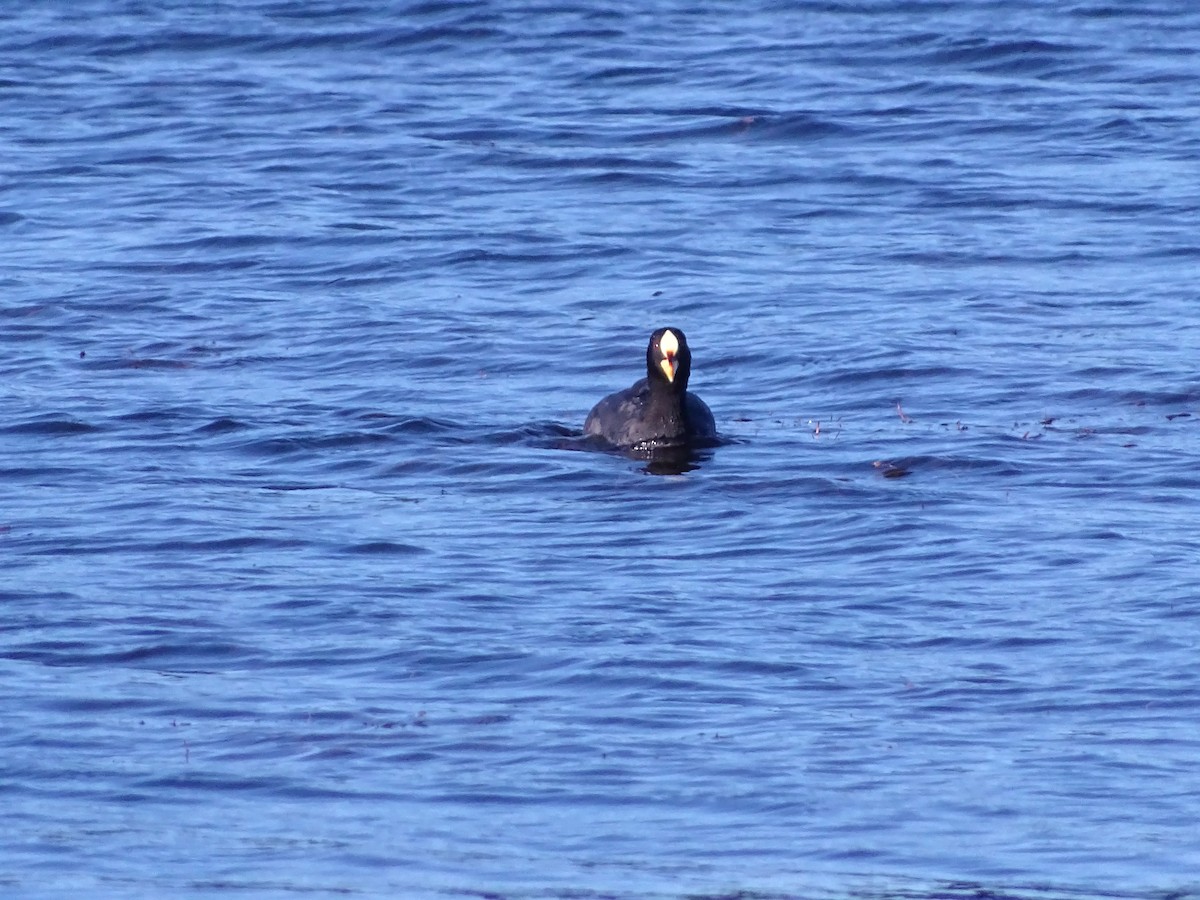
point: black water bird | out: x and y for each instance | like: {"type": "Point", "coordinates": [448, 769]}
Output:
{"type": "Point", "coordinates": [658, 411]}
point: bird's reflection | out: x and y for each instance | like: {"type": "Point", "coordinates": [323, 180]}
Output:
{"type": "Point", "coordinates": [671, 460]}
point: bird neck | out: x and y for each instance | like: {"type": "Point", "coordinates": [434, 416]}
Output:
{"type": "Point", "coordinates": [666, 397]}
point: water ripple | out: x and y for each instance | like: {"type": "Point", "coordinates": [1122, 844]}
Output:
{"type": "Point", "coordinates": [305, 557]}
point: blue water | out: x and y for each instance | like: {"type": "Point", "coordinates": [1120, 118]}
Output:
{"type": "Point", "coordinates": [307, 589]}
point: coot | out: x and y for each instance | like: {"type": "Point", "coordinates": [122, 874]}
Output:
{"type": "Point", "coordinates": [658, 411]}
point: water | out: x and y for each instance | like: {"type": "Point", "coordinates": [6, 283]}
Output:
{"type": "Point", "coordinates": [305, 591]}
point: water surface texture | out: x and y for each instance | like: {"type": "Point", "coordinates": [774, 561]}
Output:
{"type": "Point", "coordinates": [306, 588]}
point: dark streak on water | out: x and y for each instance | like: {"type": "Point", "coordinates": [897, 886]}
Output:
{"type": "Point", "coordinates": [309, 589]}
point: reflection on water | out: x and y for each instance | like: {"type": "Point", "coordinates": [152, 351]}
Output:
{"type": "Point", "coordinates": [673, 459]}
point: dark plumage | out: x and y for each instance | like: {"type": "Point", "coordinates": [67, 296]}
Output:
{"type": "Point", "coordinates": [658, 411]}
